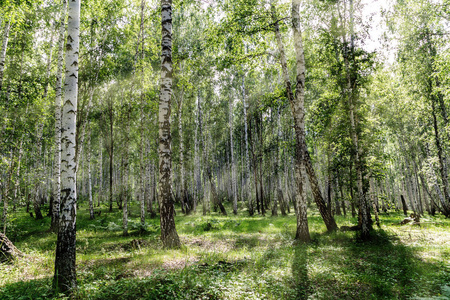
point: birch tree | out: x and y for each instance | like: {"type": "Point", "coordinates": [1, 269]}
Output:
{"type": "Point", "coordinates": [58, 92]}
{"type": "Point", "coordinates": [233, 163]}
{"type": "Point", "coordinates": [3, 50]}
{"type": "Point", "coordinates": [65, 270]}
{"type": "Point", "coordinates": [169, 235]}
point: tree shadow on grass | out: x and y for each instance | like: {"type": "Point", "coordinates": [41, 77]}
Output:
{"type": "Point", "coordinates": [300, 271]}
{"type": "Point", "coordinates": [339, 267]}
{"type": "Point", "coordinates": [33, 289]}
{"type": "Point", "coordinates": [388, 269]}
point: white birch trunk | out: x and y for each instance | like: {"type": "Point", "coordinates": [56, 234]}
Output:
{"type": "Point", "coordinates": [58, 91]}
{"type": "Point", "coordinates": [143, 173]}
{"type": "Point", "coordinates": [126, 169]}
{"type": "Point", "coordinates": [88, 156]}
{"type": "Point", "coordinates": [6, 196]}
{"type": "Point", "coordinates": [65, 269]}
{"type": "Point", "coordinates": [3, 51]}
{"type": "Point", "coordinates": [197, 176]}
{"type": "Point", "coordinates": [100, 184]}
{"type": "Point", "coordinates": [365, 226]}
{"type": "Point", "coordinates": [169, 235]}
{"type": "Point", "coordinates": [233, 163]}
{"type": "Point", "coordinates": [38, 173]}
{"type": "Point", "coordinates": [247, 179]}
{"type": "Point", "coordinates": [183, 198]}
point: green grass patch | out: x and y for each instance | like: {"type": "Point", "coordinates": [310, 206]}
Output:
{"type": "Point", "coordinates": [234, 257]}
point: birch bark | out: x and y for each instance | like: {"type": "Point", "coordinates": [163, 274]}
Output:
{"type": "Point", "coordinates": [88, 156]}
{"type": "Point", "coordinates": [65, 269]}
{"type": "Point", "coordinates": [326, 216]}
{"type": "Point", "coordinates": [38, 173]}
{"type": "Point", "coordinates": [233, 163]}
{"type": "Point", "coordinates": [143, 194]}
{"type": "Point", "coordinates": [3, 51]}
{"type": "Point", "coordinates": [247, 180]}
{"type": "Point", "coordinates": [197, 176]}
{"type": "Point", "coordinates": [169, 235]}
{"type": "Point", "coordinates": [183, 197]}
{"type": "Point", "coordinates": [58, 91]}
{"type": "Point", "coordinates": [363, 205]}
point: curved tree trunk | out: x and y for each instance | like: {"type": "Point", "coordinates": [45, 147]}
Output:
{"type": "Point", "coordinates": [326, 216]}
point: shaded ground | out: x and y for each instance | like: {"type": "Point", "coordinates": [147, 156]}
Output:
{"type": "Point", "coordinates": [235, 258]}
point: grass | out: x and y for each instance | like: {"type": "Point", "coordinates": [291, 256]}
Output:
{"type": "Point", "coordinates": [236, 257]}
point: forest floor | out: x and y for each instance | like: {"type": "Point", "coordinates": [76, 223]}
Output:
{"type": "Point", "coordinates": [235, 257]}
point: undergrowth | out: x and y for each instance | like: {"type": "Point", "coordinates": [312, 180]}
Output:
{"type": "Point", "coordinates": [234, 257]}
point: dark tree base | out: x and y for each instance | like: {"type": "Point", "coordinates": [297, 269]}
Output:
{"type": "Point", "coordinates": [8, 252]}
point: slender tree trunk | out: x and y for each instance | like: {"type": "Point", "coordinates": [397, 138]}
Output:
{"type": "Point", "coordinates": [233, 163]}
{"type": "Point", "coordinates": [374, 202]}
{"type": "Point", "coordinates": [442, 165]}
{"type": "Point", "coordinates": [363, 206]}
{"type": "Point", "coordinates": [437, 188]}
{"type": "Point", "coordinates": [432, 208]}
{"type": "Point", "coordinates": [197, 175]}
{"type": "Point", "coordinates": [206, 203]}
{"type": "Point", "coordinates": [65, 268]}
{"type": "Point", "coordinates": [255, 166]}
{"type": "Point", "coordinates": [18, 169]}
{"type": "Point", "coordinates": [100, 174]}
{"type": "Point", "coordinates": [58, 92]}
{"type": "Point", "coordinates": [169, 235]}
{"type": "Point", "coordinates": [38, 174]}
{"type": "Point", "coordinates": [408, 178]}
{"type": "Point", "coordinates": [184, 204]}
{"type": "Point", "coordinates": [6, 195]}
{"type": "Point", "coordinates": [278, 195]}
{"type": "Point", "coordinates": [417, 188]}
{"type": "Point", "coordinates": [405, 208]}
{"type": "Point", "coordinates": [247, 180]}
{"type": "Point", "coordinates": [143, 174]}
{"type": "Point", "coordinates": [343, 204]}
{"type": "Point", "coordinates": [336, 198]}
{"type": "Point", "coordinates": [126, 169]}
{"type": "Point", "coordinates": [88, 156]}
{"type": "Point", "coordinates": [3, 51]}
{"type": "Point", "coordinates": [259, 137]}
{"type": "Point", "coordinates": [111, 152]}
